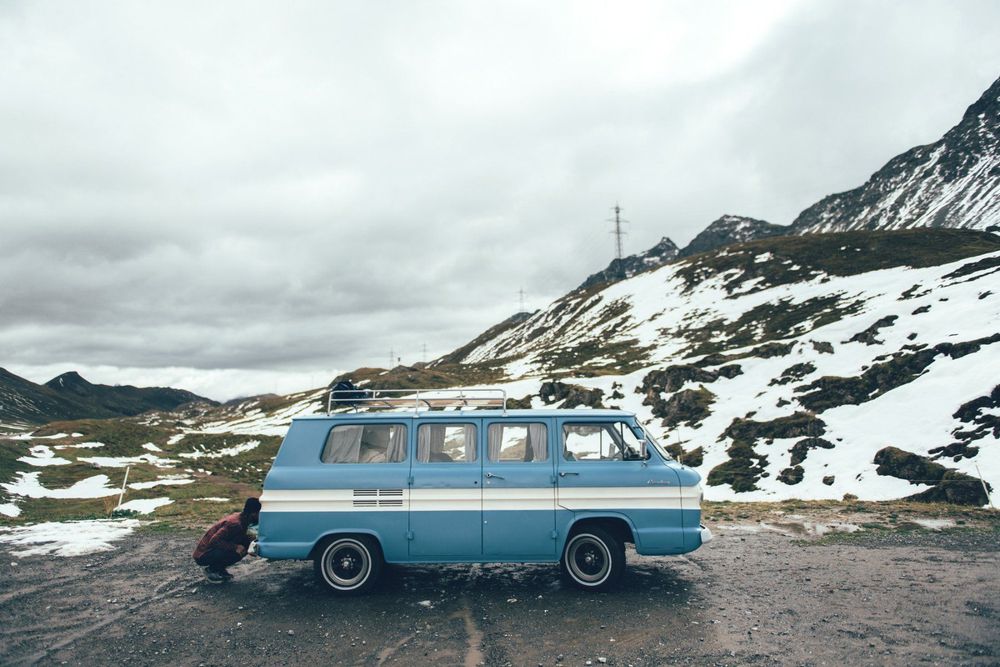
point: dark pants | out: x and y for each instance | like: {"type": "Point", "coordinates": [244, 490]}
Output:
{"type": "Point", "coordinates": [218, 559]}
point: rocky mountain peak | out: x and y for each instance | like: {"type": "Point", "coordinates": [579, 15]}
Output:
{"type": "Point", "coordinates": [953, 182]}
{"type": "Point", "coordinates": [69, 380]}
{"type": "Point", "coordinates": [661, 253]}
{"type": "Point", "coordinates": [730, 229]}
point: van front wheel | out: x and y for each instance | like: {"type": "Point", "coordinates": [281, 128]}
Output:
{"type": "Point", "coordinates": [593, 560]}
{"type": "Point", "coordinates": [348, 565]}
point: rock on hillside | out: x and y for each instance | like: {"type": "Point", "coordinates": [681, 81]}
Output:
{"type": "Point", "coordinates": [953, 182]}
{"type": "Point", "coordinates": [730, 229]}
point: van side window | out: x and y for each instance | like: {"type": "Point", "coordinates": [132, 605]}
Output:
{"type": "Point", "coordinates": [446, 443]}
{"type": "Point", "coordinates": [600, 442]}
{"type": "Point", "coordinates": [368, 443]}
{"type": "Point", "coordinates": [518, 442]}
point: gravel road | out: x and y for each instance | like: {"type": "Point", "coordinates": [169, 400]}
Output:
{"type": "Point", "coordinates": [749, 597]}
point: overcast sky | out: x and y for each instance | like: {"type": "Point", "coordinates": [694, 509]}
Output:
{"type": "Point", "coordinates": [246, 197]}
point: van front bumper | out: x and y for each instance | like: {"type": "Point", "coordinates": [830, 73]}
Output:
{"type": "Point", "coordinates": [706, 534]}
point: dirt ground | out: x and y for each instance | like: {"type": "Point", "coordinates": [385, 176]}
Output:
{"type": "Point", "coordinates": [771, 595]}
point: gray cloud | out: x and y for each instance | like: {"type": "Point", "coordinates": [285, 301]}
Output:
{"type": "Point", "coordinates": [239, 187]}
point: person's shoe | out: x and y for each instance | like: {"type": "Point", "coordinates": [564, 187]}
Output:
{"type": "Point", "coordinates": [226, 574]}
{"type": "Point", "coordinates": [214, 577]}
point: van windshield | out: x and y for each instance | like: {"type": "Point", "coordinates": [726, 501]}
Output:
{"type": "Point", "coordinates": [654, 442]}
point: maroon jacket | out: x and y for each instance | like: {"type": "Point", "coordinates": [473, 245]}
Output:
{"type": "Point", "coordinates": [225, 535]}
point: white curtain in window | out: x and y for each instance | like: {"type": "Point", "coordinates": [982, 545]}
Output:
{"type": "Point", "coordinates": [470, 443]}
{"type": "Point", "coordinates": [496, 437]}
{"type": "Point", "coordinates": [397, 444]}
{"type": "Point", "coordinates": [343, 445]}
{"type": "Point", "coordinates": [430, 441]}
{"type": "Point", "coordinates": [537, 447]}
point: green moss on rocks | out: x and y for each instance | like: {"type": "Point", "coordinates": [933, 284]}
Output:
{"type": "Point", "coordinates": [868, 336]}
{"type": "Point", "coordinates": [693, 458]}
{"type": "Point", "coordinates": [689, 406]}
{"type": "Point", "coordinates": [571, 395]}
{"type": "Point", "coordinates": [746, 466]}
{"type": "Point", "coordinates": [950, 486]}
{"type": "Point", "coordinates": [791, 476]}
{"type": "Point", "coordinates": [793, 373]}
{"type": "Point", "coordinates": [801, 448]}
{"type": "Point", "coordinates": [743, 469]}
{"type": "Point", "coordinates": [830, 391]}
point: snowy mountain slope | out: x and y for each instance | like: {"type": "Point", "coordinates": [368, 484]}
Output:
{"type": "Point", "coordinates": [781, 368]}
{"type": "Point", "coordinates": [953, 182]}
{"type": "Point", "coordinates": [794, 367]}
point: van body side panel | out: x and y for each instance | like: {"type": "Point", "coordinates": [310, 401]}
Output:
{"type": "Point", "coordinates": [519, 505]}
{"type": "Point", "coordinates": [644, 493]}
{"type": "Point", "coordinates": [446, 511]}
{"type": "Point", "coordinates": [305, 499]}
{"type": "Point", "coordinates": [446, 518]}
{"type": "Point", "coordinates": [480, 511]}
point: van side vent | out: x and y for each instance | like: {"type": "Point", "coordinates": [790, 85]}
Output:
{"type": "Point", "coordinates": [378, 497]}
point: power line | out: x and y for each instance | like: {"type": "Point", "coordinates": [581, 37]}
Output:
{"type": "Point", "coordinates": [618, 234]}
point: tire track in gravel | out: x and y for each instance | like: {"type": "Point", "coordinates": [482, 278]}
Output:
{"type": "Point", "coordinates": [158, 594]}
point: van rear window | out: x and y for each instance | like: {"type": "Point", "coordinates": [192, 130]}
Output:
{"type": "Point", "coordinates": [365, 443]}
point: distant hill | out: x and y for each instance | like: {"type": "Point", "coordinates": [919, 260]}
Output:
{"type": "Point", "coordinates": [70, 396]}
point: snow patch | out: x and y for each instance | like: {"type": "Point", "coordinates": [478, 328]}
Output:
{"type": "Point", "coordinates": [42, 456]}
{"type": "Point", "coordinates": [69, 538]}
{"type": "Point", "coordinates": [27, 485]}
{"type": "Point", "coordinates": [934, 524]}
{"type": "Point", "coordinates": [144, 505]}
{"type": "Point", "coordinates": [122, 461]}
{"type": "Point", "coordinates": [81, 445]}
{"type": "Point", "coordinates": [10, 509]}
{"type": "Point", "coordinates": [162, 481]}
{"type": "Point", "coordinates": [228, 451]}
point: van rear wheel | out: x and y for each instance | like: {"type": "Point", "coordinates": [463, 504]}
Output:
{"type": "Point", "coordinates": [348, 565]}
{"type": "Point", "coordinates": [593, 560]}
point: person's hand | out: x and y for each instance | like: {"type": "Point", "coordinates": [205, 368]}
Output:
{"type": "Point", "coordinates": [240, 549]}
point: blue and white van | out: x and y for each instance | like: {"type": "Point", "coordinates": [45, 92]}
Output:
{"type": "Point", "coordinates": [354, 490]}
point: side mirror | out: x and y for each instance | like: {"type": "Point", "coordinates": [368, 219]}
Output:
{"type": "Point", "coordinates": [644, 450]}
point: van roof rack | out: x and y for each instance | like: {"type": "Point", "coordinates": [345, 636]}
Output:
{"type": "Point", "coordinates": [417, 399]}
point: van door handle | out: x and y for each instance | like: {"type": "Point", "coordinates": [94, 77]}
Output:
{"type": "Point", "coordinates": [492, 476]}
{"type": "Point", "coordinates": [563, 474]}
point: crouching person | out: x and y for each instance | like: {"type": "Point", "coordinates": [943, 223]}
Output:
{"type": "Point", "coordinates": [226, 542]}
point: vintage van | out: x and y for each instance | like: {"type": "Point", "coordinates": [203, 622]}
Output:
{"type": "Point", "coordinates": [354, 490]}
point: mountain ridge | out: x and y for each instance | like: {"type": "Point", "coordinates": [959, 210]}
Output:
{"type": "Point", "coordinates": [70, 396]}
{"type": "Point", "coordinates": [952, 182]}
